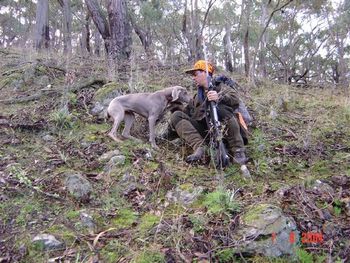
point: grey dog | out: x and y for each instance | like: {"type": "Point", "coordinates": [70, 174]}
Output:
{"type": "Point", "coordinates": [148, 105]}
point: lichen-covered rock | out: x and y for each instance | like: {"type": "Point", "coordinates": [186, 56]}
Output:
{"type": "Point", "coordinates": [265, 230]}
{"type": "Point", "coordinates": [184, 196]}
{"type": "Point", "coordinates": [78, 186]}
{"type": "Point", "coordinates": [103, 97]}
{"type": "Point", "coordinates": [47, 242]}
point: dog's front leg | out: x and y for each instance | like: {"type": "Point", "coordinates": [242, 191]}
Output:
{"type": "Point", "coordinates": [152, 123]}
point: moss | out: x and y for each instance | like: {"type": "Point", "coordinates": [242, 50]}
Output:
{"type": "Point", "coordinates": [254, 212]}
{"type": "Point", "coordinates": [72, 214]}
{"type": "Point", "coordinates": [96, 128]}
{"type": "Point", "coordinates": [149, 256]}
{"type": "Point", "coordinates": [113, 251]}
{"type": "Point", "coordinates": [150, 167]}
{"type": "Point", "coordinates": [109, 88]}
{"type": "Point", "coordinates": [125, 218]}
{"type": "Point", "coordinates": [148, 221]}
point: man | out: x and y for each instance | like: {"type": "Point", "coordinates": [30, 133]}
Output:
{"type": "Point", "coordinates": [191, 124]}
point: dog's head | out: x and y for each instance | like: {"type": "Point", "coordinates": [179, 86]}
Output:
{"type": "Point", "coordinates": [180, 94]}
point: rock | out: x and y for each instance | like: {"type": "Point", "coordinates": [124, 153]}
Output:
{"type": "Point", "coordinates": [265, 230]}
{"type": "Point", "coordinates": [116, 161]}
{"type": "Point", "coordinates": [103, 97]}
{"type": "Point", "coordinates": [245, 172]}
{"type": "Point", "coordinates": [128, 178]}
{"type": "Point", "coordinates": [98, 110]}
{"type": "Point", "coordinates": [322, 188]}
{"type": "Point", "coordinates": [148, 155]}
{"type": "Point", "coordinates": [184, 196]}
{"type": "Point", "coordinates": [108, 155]}
{"type": "Point", "coordinates": [346, 201]}
{"type": "Point", "coordinates": [273, 114]}
{"type": "Point", "coordinates": [87, 221]}
{"type": "Point", "coordinates": [275, 161]}
{"type": "Point", "coordinates": [48, 138]}
{"type": "Point", "coordinates": [261, 147]}
{"type": "Point", "coordinates": [79, 187]}
{"type": "Point", "coordinates": [47, 242]}
{"type": "Point", "coordinates": [282, 191]}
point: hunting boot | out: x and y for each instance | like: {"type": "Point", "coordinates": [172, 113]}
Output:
{"type": "Point", "coordinates": [235, 141]}
{"type": "Point", "coordinates": [186, 131]}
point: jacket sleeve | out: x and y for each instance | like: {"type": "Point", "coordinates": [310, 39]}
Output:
{"type": "Point", "coordinates": [228, 97]}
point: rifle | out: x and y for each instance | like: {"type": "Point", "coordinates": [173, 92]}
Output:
{"type": "Point", "coordinates": [221, 158]}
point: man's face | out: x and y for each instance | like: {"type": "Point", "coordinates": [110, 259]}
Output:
{"type": "Point", "coordinates": [200, 78]}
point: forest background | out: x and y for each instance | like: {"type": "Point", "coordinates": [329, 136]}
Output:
{"type": "Point", "coordinates": [286, 41]}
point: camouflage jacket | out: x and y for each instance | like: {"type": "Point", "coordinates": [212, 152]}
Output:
{"type": "Point", "coordinates": [227, 104]}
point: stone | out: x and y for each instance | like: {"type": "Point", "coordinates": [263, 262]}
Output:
{"type": "Point", "coordinates": [87, 221]}
{"type": "Point", "coordinates": [48, 138]}
{"type": "Point", "coordinates": [184, 196]}
{"type": "Point", "coordinates": [108, 155]}
{"type": "Point", "coordinates": [97, 109]}
{"type": "Point", "coordinates": [48, 242]}
{"type": "Point", "coordinates": [79, 187]}
{"type": "Point", "coordinates": [116, 160]}
{"type": "Point", "coordinates": [265, 230]}
{"type": "Point", "coordinates": [322, 188]}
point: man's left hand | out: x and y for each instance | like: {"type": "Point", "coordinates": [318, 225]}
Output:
{"type": "Point", "coordinates": [212, 96]}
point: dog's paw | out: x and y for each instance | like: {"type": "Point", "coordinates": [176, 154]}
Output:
{"type": "Point", "coordinates": [114, 138]}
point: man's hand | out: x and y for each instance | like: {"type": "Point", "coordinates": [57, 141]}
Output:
{"type": "Point", "coordinates": [212, 96]}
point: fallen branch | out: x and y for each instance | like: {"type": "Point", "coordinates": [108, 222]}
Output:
{"type": "Point", "coordinates": [47, 92]}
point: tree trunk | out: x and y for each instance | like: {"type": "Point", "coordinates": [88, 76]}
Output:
{"type": "Point", "coordinates": [97, 38]}
{"type": "Point", "coordinates": [228, 49]}
{"type": "Point", "coordinates": [262, 47]}
{"type": "Point", "coordinates": [246, 13]}
{"type": "Point", "coordinates": [120, 29]}
{"type": "Point", "coordinates": [67, 27]}
{"type": "Point", "coordinates": [85, 36]}
{"type": "Point", "coordinates": [116, 33]}
{"type": "Point", "coordinates": [41, 35]}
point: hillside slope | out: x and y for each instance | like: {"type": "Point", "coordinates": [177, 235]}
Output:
{"type": "Point", "coordinates": [62, 176]}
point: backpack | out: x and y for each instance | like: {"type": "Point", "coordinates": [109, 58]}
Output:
{"type": "Point", "coordinates": [242, 109]}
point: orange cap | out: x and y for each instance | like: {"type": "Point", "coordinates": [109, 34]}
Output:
{"type": "Point", "coordinates": [201, 65]}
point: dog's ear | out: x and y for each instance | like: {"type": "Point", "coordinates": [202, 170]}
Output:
{"type": "Point", "coordinates": [175, 94]}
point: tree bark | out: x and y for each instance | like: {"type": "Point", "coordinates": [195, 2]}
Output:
{"type": "Point", "coordinates": [67, 27]}
{"type": "Point", "coordinates": [246, 12]}
{"type": "Point", "coordinates": [116, 33]}
{"type": "Point", "coordinates": [41, 35]}
{"type": "Point", "coordinates": [228, 49]}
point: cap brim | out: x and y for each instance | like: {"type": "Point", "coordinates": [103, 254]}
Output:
{"type": "Point", "coordinates": [190, 71]}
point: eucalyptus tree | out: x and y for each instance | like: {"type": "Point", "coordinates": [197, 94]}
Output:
{"type": "Point", "coordinates": [67, 25]}
{"type": "Point", "coordinates": [114, 27]}
{"type": "Point", "coordinates": [145, 18]}
{"type": "Point", "coordinates": [42, 33]}
{"type": "Point", "coordinates": [338, 44]}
